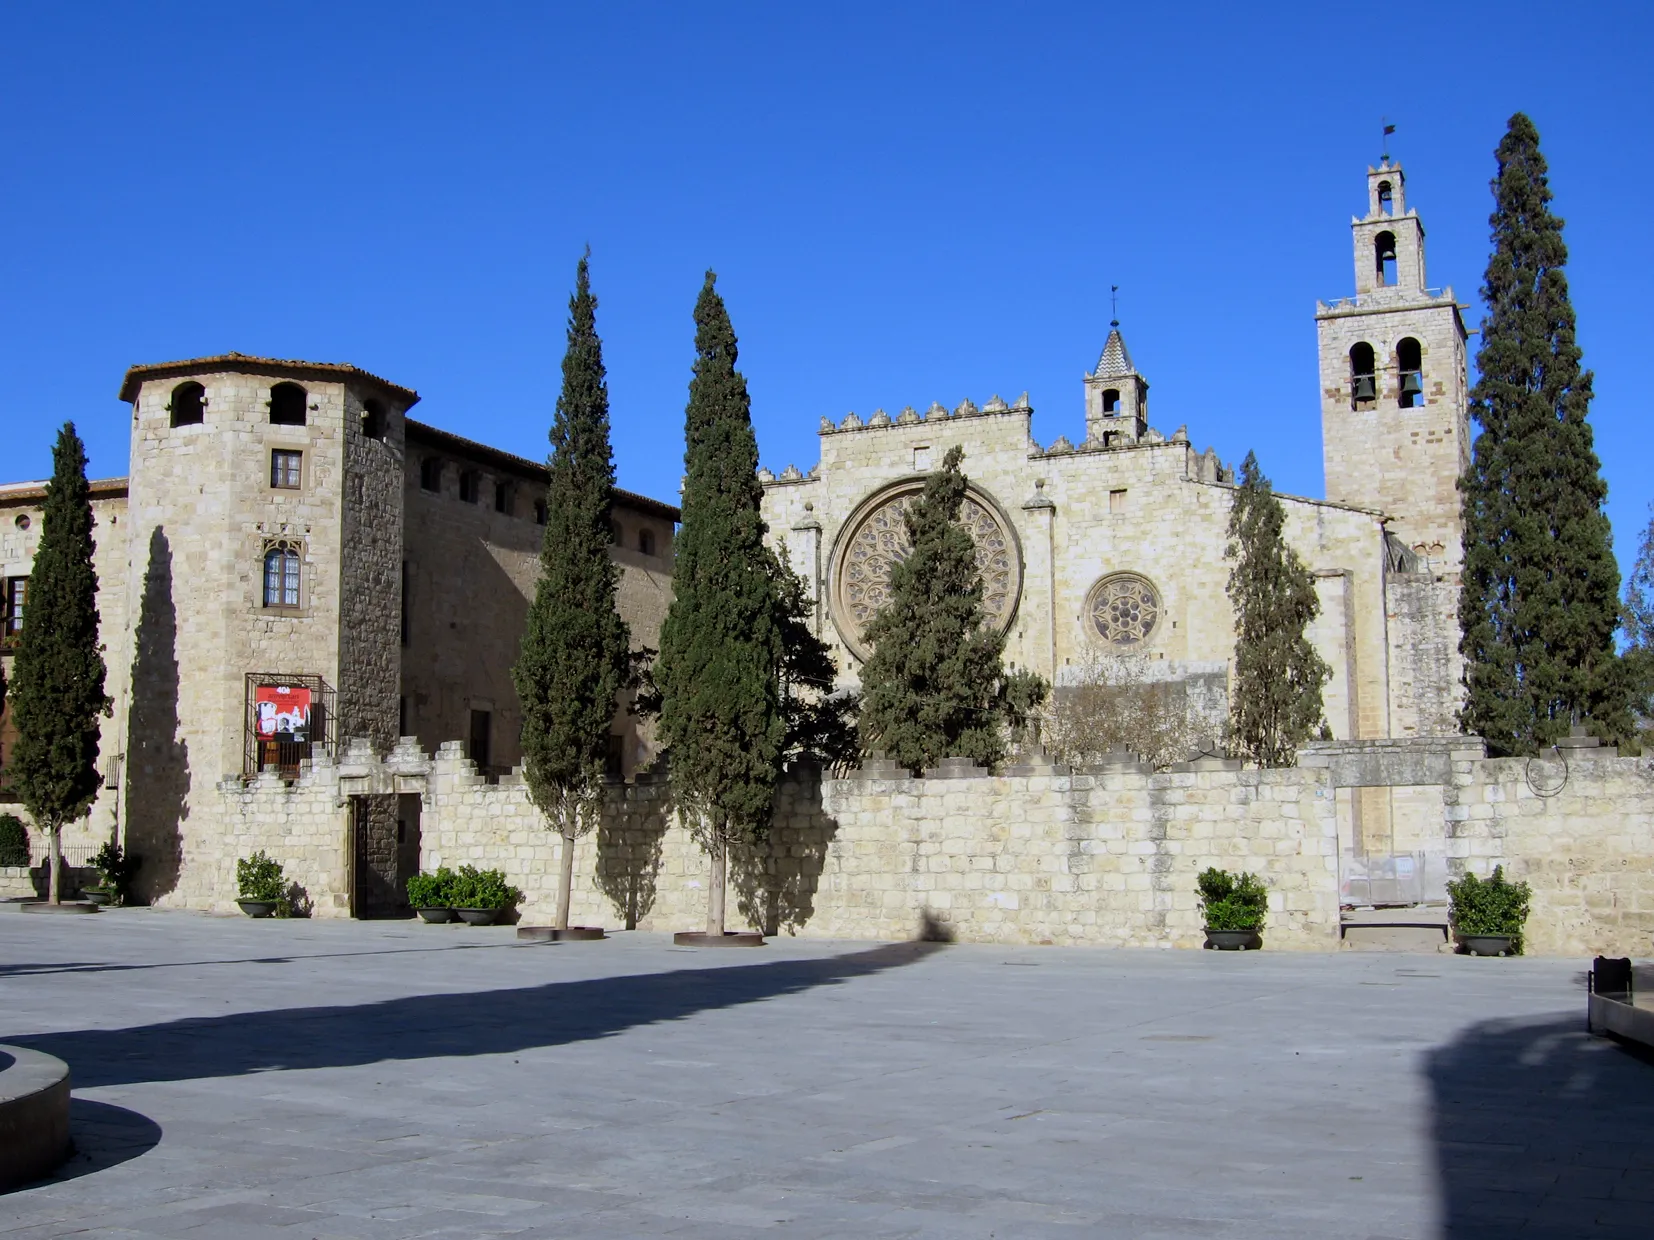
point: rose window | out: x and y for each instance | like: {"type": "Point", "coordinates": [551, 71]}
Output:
{"type": "Point", "coordinates": [878, 541]}
{"type": "Point", "coordinates": [1124, 609]}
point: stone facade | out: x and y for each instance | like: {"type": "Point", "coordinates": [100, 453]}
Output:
{"type": "Point", "coordinates": [1106, 857]}
{"type": "Point", "coordinates": [1129, 512]}
{"type": "Point", "coordinates": [237, 459]}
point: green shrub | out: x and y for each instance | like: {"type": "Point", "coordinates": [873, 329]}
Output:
{"type": "Point", "coordinates": [1232, 902]}
{"type": "Point", "coordinates": [259, 878]}
{"type": "Point", "coordinates": [432, 890]}
{"type": "Point", "coordinates": [1489, 906]}
{"type": "Point", "coordinates": [117, 870]}
{"type": "Point", "coordinates": [14, 840]}
{"type": "Point", "coordinates": [474, 888]}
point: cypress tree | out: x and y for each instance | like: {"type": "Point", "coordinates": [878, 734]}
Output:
{"type": "Point", "coordinates": [1638, 624]}
{"type": "Point", "coordinates": [722, 715]}
{"type": "Point", "coordinates": [575, 658]}
{"type": "Point", "coordinates": [934, 686]}
{"type": "Point", "coordinates": [820, 724]}
{"type": "Point", "coordinates": [57, 691]}
{"type": "Point", "coordinates": [1539, 604]}
{"type": "Point", "coordinates": [1275, 693]}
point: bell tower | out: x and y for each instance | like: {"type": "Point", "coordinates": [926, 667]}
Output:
{"type": "Point", "coordinates": [1395, 429]}
{"type": "Point", "coordinates": [1116, 396]}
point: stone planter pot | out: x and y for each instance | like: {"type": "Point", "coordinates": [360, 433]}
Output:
{"type": "Point", "coordinates": [479, 916]}
{"type": "Point", "coordinates": [1234, 940]}
{"type": "Point", "coordinates": [1486, 944]}
{"type": "Point", "coordinates": [98, 896]}
{"type": "Point", "coordinates": [435, 915]}
{"type": "Point", "coordinates": [258, 908]}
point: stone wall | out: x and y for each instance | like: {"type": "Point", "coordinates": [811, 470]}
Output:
{"type": "Point", "coordinates": [1102, 858]}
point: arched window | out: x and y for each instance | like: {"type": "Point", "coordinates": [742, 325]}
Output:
{"type": "Point", "coordinates": [1386, 197]}
{"type": "Point", "coordinates": [188, 404]}
{"type": "Point", "coordinates": [1111, 400]}
{"type": "Point", "coordinates": [281, 574]}
{"type": "Point", "coordinates": [1363, 376]}
{"type": "Point", "coordinates": [373, 419]}
{"type": "Point", "coordinates": [1410, 364]}
{"type": "Point", "coordinates": [646, 541]}
{"type": "Point", "coordinates": [1384, 258]}
{"type": "Point", "coordinates": [287, 404]}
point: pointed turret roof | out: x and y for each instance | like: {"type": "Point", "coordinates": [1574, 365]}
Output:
{"type": "Point", "coordinates": [1114, 362]}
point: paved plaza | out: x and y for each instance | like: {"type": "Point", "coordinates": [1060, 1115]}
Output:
{"type": "Point", "coordinates": [336, 1079]}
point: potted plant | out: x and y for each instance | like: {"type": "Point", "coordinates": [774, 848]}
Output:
{"type": "Point", "coordinates": [260, 885]}
{"type": "Point", "coordinates": [115, 870]}
{"type": "Point", "coordinates": [1234, 907]}
{"type": "Point", "coordinates": [1488, 914]}
{"type": "Point", "coordinates": [480, 896]}
{"type": "Point", "coordinates": [432, 895]}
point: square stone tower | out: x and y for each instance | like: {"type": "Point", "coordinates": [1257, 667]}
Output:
{"type": "Point", "coordinates": [1394, 396]}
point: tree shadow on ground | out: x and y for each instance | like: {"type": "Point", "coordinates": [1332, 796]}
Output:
{"type": "Point", "coordinates": [487, 1022]}
{"type": "Point", "coordinates": [157, 761]}
{"type": "Point", "coordinates": [1542, 1130]}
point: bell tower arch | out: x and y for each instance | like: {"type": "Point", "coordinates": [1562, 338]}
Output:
{"type": "Point", "coordinates": [1395, 429]}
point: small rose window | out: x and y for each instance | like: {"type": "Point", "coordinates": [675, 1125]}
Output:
{"type": "Point", "coordinates": [1123, 609]}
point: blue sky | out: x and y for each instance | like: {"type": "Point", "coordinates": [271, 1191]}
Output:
{"type": "Point", "coordinates": [904, 203]}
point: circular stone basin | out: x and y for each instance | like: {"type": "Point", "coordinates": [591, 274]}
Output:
{"type": "Point", "coordinates": [34, 1115]}
{"type": "Point", "coordinates": [729, 938]}
{"type": "Point", "coordinates": [569, 934]}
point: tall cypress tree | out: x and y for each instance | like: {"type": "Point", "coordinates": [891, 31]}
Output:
{"type": "Point", "coordinates": [57, 691]}
{"type": "Point", "coordinates": [1275, 692]}
{"type": "Point", "coordinates": [722, 645]}
{"type": "Point", "coordinates": [1540, 599]}
{"type": "Point", "coordinates": [575, 653]}
{"type": "Point", "coordinates": [934, 685]}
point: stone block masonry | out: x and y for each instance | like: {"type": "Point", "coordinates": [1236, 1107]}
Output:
{"type": "Point", "coordinates": [1100, 858]}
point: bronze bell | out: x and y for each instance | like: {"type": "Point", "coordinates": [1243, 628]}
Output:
{"type": "Point", "coordinates": [1412, 384]}
{"type": "Point", "coordinates": [1364, 387]}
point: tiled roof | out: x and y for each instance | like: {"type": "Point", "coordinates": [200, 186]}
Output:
{"type": "Point", "coordinates": [35, 492]}
{"type": "Point", "coordinates": [244, 364]}
{"type": "Point", "coordinates": [1115, 362]}
{"type": "Point", "coordinates": [458, 445]}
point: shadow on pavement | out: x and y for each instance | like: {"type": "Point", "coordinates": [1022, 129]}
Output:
{"type": "Point", "coordinates": [104, 1136]}
{"type": "Point", "coordinates": [424, 1026]}
{"type": "Point", "coordinates": [1542, 1130]}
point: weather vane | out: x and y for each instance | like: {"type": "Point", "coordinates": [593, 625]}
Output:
{"type": "Point", "coordinates": [1388, 130]}
{"type": "Point", "coordinates": [1114, 304]}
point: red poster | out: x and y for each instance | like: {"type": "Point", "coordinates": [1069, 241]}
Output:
{"type": "Point", "coordinates": [283, 712]}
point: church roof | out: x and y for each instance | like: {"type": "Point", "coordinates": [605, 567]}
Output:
{"type": "Point", "coordinates": [1114, 362]}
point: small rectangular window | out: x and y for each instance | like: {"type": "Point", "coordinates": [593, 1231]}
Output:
{"type": "Point", "coordinates": [614, 766]}
{"type": "Point", "coordinates": [404, 609]}
{"type": "Point", "coordinates": [17, 594]}
{"type": "Point", "coordinates": [539, 512]}
{"type": "Point", "coordinates": [1117, 501]}
{"type": "Point", "coordinates": [286, 469]}
{"type": "Point", "coordinates": [921, 458]}
{"type": "Point", "coordinates": [430, 474]}
{"type": "Point", "coordinates": [502, 498]}
{"type": "Point", "coordinates": [469, 484]}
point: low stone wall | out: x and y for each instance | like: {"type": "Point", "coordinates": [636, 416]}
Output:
{"type": "Point", "coordinates": [1034, 855]}
{"type": "Point", "coordinates": [16, 883]}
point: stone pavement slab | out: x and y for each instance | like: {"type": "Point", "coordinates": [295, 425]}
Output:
{"type": "Point", "coordinates": [339, 1079]}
